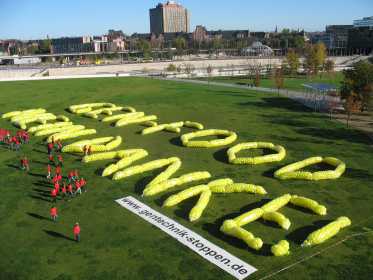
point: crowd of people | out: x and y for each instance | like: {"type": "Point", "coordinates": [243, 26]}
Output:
{"type": "Point", "coordinates": [63, 187]}
{"type": "Point", "coordinates": [14, 142]}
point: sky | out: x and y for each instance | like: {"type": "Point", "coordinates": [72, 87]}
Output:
{"type": "Point", "coordinates": [34, 19]}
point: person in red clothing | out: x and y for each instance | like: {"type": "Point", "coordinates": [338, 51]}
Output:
{"type": "Point", "coordinates": [70, 176]}
{"type": "Point", "coordinates": [59, 178]}
{"type": "Point", "coordinates": [60, 160]}
{"type": "Point", "coordinates": [53, 213]}
{"type": "Point", "coordinates": [59, 146]}
{"type": "Point", "coordinates": [16, 142]}
{"type": "Point", "coordinates": [51, 159]}
{"type": "Point", "coordinates": [26, 137]}
{"type": "Point", "coordinates": [78, 188]}
{"type": "Point", "coordinates": [49, 170]}
{"type": "Point", "coordinates": [76, 231]}
{"type": "Point", "coordinates": [70, 189]}
{"type": "Point", "coordinates": [57, 187]}
{"type": "Point", "coordinates": [83, 184]}
{"type": "Point", "coordinates": [76, 175]}
{"type": "Point", "coordinates": [55, 179]}
{"type": "Point", "coordinates": [63, 190]}
{"type": "Point", "coordinates": [58, 170]}
{"type": "Point", "coordinates": [54, 195]}
{"type": "Point", "coordinates": [25, 164]}
{"type": "Point", "coordinates": [50, 148]}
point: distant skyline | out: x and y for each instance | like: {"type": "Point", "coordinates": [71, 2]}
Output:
{"type": "Point", "coordinates": [34, 19]}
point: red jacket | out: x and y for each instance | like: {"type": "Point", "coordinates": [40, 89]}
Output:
{"type": "Point", "coordinates": [58, 170]}
{"type": "Point", "coordinates": [76, 229]}
{"type": "Point", "coordinates": [53, 211]}
{"type": "Point", "coordinates": [70, 188]}
{"type": "Point", "coordinates": [54, 193]}
{"type": "Point", "coordinates": [49, 168]}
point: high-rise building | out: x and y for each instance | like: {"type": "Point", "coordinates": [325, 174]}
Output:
{"type": "Point", "coordinates": [169, 18]}
{"type": "Point", "coordinates": [365, 22]}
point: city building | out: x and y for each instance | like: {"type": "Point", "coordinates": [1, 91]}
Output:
{"type": "Point", "coordinates": [337, 36]}
{"type": "Point", "coordinates": [169, 17]}
{"type": "Point", "coordinates": [71, 45]}
{"type": "Point", "coordinates": [200, 34]}
{"type": "Point", "coordinates": [365, 22]}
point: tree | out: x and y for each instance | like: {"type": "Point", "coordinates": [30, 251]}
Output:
{"type": "Point", "coordinates": [257, 76]}
{"type": "Point", "coordinates": [358, 82]}
{"type": "Point", "coordinates": [352, 105]}
{"type": "Point", "coordinates": [278, 78]}
{"type": "Point", "coordinates": [145, 47]}
{"type": "Point", "coordinates": [329, 66]}
{"type": "Point", "coordinates": [217, 44]}
{"type": "Point", "coordinates": [171, 68]}
{"type": "Point", "coordinates": [320, 56]}
{"type": "Point", "coordinates": [45, 46]}
{"type": "Point", "coordinates": [315, 56]}
{"type": "Point", "coordinates": [293, 61]}
{"type": "Point", "coordinates": [180, 44]}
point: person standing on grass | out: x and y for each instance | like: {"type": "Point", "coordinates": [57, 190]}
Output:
{"type": "Point", "coordinates": [49, 170]}
{"type": "Point", "coordinates": [55, 179]}
{"type": "Point", "coordinates": [70, 176]}
{"type": "Point", "coordinates": [60, 160]}
{"type": "Point", "coordinates": [59, 146]}
{"type": "Point", "coordinates": [76, 231]}
{"type": "Point", "coordinates": [78, 188]}
{"type": "Point", "coordinates": [26, 137]}
{"type": "Point", "coordinates": [76, 175]}
{"type": "Point", "coordinates": [54, 195]}
{"type": "Point", "coordinates": [57, 187]}
{"type": "Point", "coordinates": [25, 164]}
{"type": "Point", "coordinates": [50, 148]}
{"type": "Point", "coordinates": [51, 159]}
{"type": "Point", "coordinates": [53, 213]}
{"type": "Point", "coordinates": [70, 189]}
{"type": "Point", "coordinates": [58, 170]}
{"type": "Point", "coordinates": [64, 191]}
{"type": "Point", "coordinates": [17, 144]}
{"type": "Point", "coordinates": [82, 183]}
{"type": "Point", "coordinates": [13, 142]}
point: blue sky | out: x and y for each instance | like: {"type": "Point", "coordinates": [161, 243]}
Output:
{"type": "Point", "coordinates": [32, 19]}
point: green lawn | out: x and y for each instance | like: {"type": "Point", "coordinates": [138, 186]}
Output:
{"type": "Point", "coordinates": [119, 245]}
{"type": "Point", "coordinates": [291, 83]}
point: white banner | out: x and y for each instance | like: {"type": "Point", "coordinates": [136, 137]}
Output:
{"type": "Point", "coordinates": [193, 241]}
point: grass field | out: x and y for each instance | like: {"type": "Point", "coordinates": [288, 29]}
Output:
{"type": "Point", "coordinates": [119, 245]}
{"type": "Point", "coordinates": [291, 83]}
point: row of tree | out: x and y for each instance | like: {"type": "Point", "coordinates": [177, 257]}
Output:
{"type": "Point", "coordinates": [315, 60]}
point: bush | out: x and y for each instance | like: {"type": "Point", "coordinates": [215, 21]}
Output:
{"type": "Point", "coordinates": [171, 68]}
